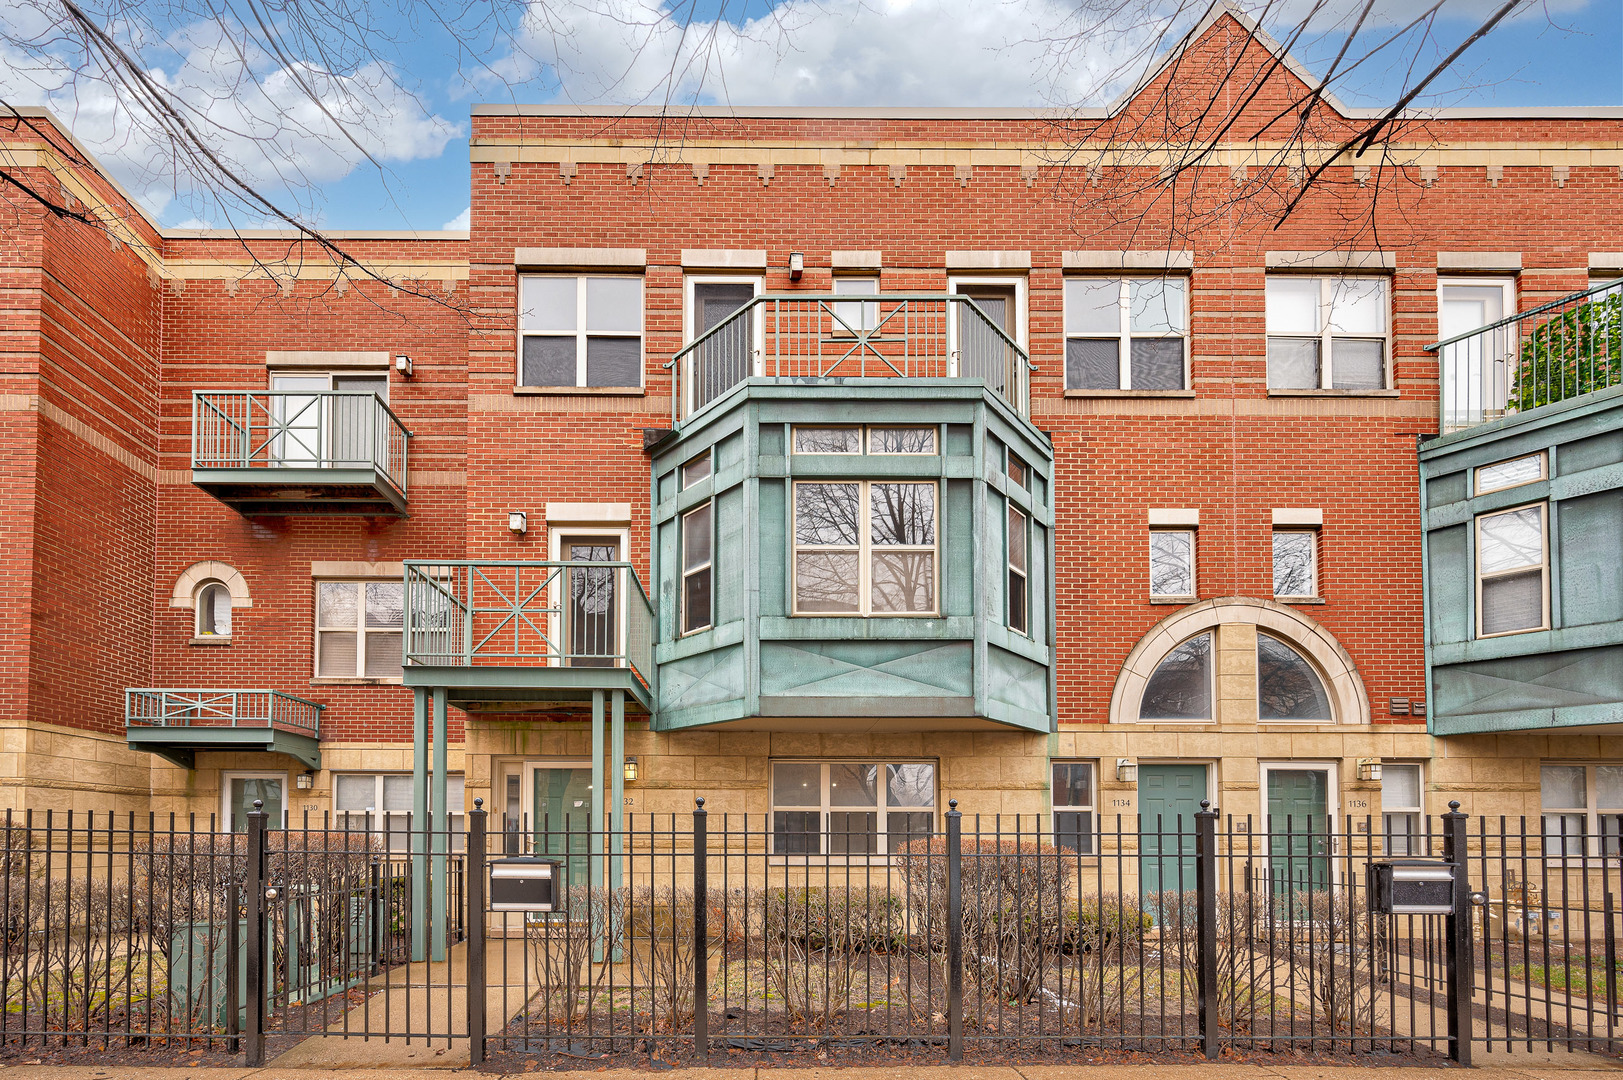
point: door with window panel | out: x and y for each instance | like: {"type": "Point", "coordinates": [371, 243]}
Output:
{"type": "Point", "coordinates": [316, 429]}
{"type": "Point", "coordinates": [591, 602]}
{"type": "Point", "coordinates": [727, 357]}
{"type": "Point", "coordinates": [850, 808]}
{"type": "Point", "coordinates": [983, 353]}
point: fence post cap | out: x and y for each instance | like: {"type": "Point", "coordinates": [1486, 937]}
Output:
{"type": "Point", "coordinates": [952, 805]}
{"type": "Point", "coordinates": [1453, 806]}
{"type": "Point", "coordinates": [259, 806]}
{"type": "Point", "coordinates": [699, 803]}
{"type": "Point", "coordinates": [478, 805]}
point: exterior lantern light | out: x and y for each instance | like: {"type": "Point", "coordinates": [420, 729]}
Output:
{"type": "Point", "coordinates": [1126, 770]}
{"type": "Point", "coordinates": [305, 780]}
{"type": "Point", "coordinates": [518, 522]}
{"type": "Point", "coordinates": [797, 265]}
{"type": "Point", "coordinates": [631, 768]}
{"type": "Point", "coordinates": [1369, 769]}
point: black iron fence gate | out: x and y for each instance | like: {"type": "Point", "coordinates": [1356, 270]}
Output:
{"type": "Point", "coordinates": [705, 932]}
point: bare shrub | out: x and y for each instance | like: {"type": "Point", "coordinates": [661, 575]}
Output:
{"type": "Point", "coordinates": [660, 924]}
{"type": "Point", "coordinates": [1105, 937]}
{"type": "Point", "coordinates": [567, 947]}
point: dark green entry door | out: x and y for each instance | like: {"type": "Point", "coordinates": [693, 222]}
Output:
{"type": "Point", "coordinates": [1298, 830]}
{"type": "Point", "coordinates": [562, 818]}
{"type": "Point", "coordinates": [1168, 799]}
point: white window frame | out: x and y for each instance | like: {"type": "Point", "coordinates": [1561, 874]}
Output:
{"type": "Point", "coordinates": [686, 481]}
{"type": "Point", "coordinates": [200, 604]}
{"type": "Point", "coordinates": [1126, 336]}
{"type": "Point", "coordinates": [1543, 566]}
{"type": "Point", "coordinates": [866, 316]}
{"type": "Point", "coordinates": [1592, 810]}
{"type": "Point", "coordinates": [228, 775]}
{"type": "Point", "coordinates": [556, 534]}
{"type": "Point", "coordinates": [1326, 336]}
{"type": "Point", "coordinates": [1092, 808]}
{"type": "Point", "coordinates": [581, 333]}
{"type": "Point", "coordinates": [1543, 473]}
{"type": "Point", "coordinates": [708, 568]}
{"type": "Point", "coordinates": [1021, 288]}
{"type": "Point", "coordinates": [360, 629]}
{"type": "Point", "coordinates": [825, 808]}
{"type": "Point", "coordinates": [1194, 563]}
{"type": "Point", "coordinates": [1313, 536]}
{"type": "Point", "coordinates": [377, 821]}
{"type": "Point", "coordinates": [1023, 572]}
{"type": "Point", "coordinates": [1415, 839]}
{"type": "Point", "coordinates": [757, 283]}
{"type": "Point", "coordinates": [865, 550]}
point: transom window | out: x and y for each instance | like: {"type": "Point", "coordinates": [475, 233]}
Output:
{"type": "Point", "coordinates": [1172, 563]}
{"type": "Point", "coordinates": [1296, 563]}
{"type": "Point", "coordinates": [865, 548]}
{"type": "Point", "coordinates": [1583, 809]}
{"type": "Point", "coordinates": [359, 625]}
{"type": "Point", "coordinates": [1287, 686]}
{"type": "Point", "coordinates": [1512, 568]}
{"type": "Point", "coordinates": [1073, 805]}
{"type": "Point", "coordinates": [696, 471]}
{"type": "Point", "coordinates": [1326, 333]}
{"type": "Point", "coordinates": [213, 609]}
{"type": "Point", "coordinates": [850, 807]}
{"type": "Point", "coordinates": [1512, 473]}
{"type": "Point", "coordinates": [1401, 810]}
{"type": "Point", "coordinates": [580, 331]}
{"type": "Point", "coordinates": [1181, 686]}
{"type": "Point", "coordinates": [383, 803]}
{"type": "Point", "coordinates": [879, 440]}
{"type": "Point", "coordinates": [1126, 333]}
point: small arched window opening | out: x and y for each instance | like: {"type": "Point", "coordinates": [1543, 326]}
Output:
{"type": "Point", "coordinates": [1287, 686]}
{"type": "Point", "coordinates": [213, 610]}
{"type": "Point", "coordinates": [1181, 687]}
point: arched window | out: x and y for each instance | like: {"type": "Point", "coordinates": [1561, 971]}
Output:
{"type": "Point", "coordinates": [1287, 686]}
{"type": "Point", "coordinates": [1181, 687]}
{"type": "Point", "coordinates": [213, 610]}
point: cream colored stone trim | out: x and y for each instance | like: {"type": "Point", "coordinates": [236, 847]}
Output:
{"type": "Point", "coordinates": [79, 429]}
{"type": "Point", "coordinates": [1331, 260]}
{"type": "Point", "coordinates": [857, 260]}
{"type": "Point", "coordinates": [1298, 516]}
{"type": "Point", "coordinates": [184, 594]}
{"type": "Point", "coordinates": [285, 358]}
{"type": "Point", "coordinates": [116, 223]}
{"type": "Point", "coordinates": [1606, 262]}
{"type": "Point", "coordinates": [1479, 260]}
{"type": "Point", "coordinates": [571, 258]}
{"type": "Point", "coordinates": [988, 260]}
{"type": "Point", "coordinates": [341, 569]}
{"type": "Point", "coordinates": [722, 259]}
{"type": "Point", "coordinates": [243, 268]}
{"type": "Point", "coordinates": [1160, 517]}
{"type": "Point", "coordinates": [1128, 260]}
{"type": "Point", "coordinates": [588, 513]}
{"type": "Point", "coordinates": [1349, 704]}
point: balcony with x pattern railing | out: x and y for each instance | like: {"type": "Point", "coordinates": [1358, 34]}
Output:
{"type": "Point", "coordinates": [176, 724]}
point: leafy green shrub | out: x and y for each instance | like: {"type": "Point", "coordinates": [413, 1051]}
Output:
{"type": "Point", "coordinates": [1572, 353]}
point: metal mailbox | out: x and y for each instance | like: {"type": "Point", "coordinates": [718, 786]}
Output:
{"type": "Point", "coordinates": [525, 883]}
{"type": "Point", "coordinates": [1412, 887]}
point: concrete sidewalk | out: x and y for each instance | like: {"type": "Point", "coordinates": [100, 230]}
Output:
{"type": "Point", "coordinates": [1533, 1067]}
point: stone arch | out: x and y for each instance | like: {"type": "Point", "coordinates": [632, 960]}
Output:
{"type": "Point", "coordinates": [185, 591]}
{"type": "Point", "coordinates": [1342, 683]}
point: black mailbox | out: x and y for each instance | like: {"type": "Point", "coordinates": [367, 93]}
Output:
{"type": "Point", "coordinates": [1412, 887]}
{"type": "Point", "coordinates": [525, 883]}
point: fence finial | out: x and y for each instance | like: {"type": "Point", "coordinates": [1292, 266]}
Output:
{"type": "Point", "coordinates": [1454, 806]}
{"type": "Point", "coordinates": [478, 804]}
{"type": "Point", "coordinates": [952, 804]}
{"type": "Point", "coordinates": [699, 802]}
{"type": "Point", "coordinates": [259, 805]}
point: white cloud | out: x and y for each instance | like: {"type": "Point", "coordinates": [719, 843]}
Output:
{"type": "Point", "coordinates": [460, 222]}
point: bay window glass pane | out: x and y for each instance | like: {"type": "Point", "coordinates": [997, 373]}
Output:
{"type": "Point", "coordinates": [354, 794]}
{"type": "Point", "coordinates": [901, 513]}
{"type": "Point", "coordinates": [1293, 305]}
{"type": "Point", "coordinates": [384, 659]}
{"type": "Point", "coordinates": [1357, 364]}
{"type": "Point", "coordinates": [910, 785]}
{"type": "Point", "coordinates": [1522, 470]}
{"type": "Point", "coordinates": [1017, 540]}
{"type": "Point", "coordinates": [336, 603]}
{"type": "Point", "coordinates": [827, 515]}
{"type": "Point", "coordinates": [1018, 602]}
{"type": "Point", "coordinates": [1156, 363]}
{"type": "Point", "coordinates": [1172, 564]}
{"type": "Point", "coordinates": [1400, 787]}
{"type": "Point", "coordinates": [903, 582]}
{"type": "Point", "coordinates": [1073, 831]}
{"type": "Point", "coordinates": [613, 361]}
{"type": "Point", "coordinates": [1093, 364]}
{"type": "Point", "coordinates": [1158, 306]}
{"type": "Point", "coordinates": [1181, 687]}
{"type": "Point", "coordinates": [385, 603]}
{"type": "Point", "coordinates": [826, 581]}
{"type": "Point", "coordinates": [1357, 305]}
{"type": "Point", "coordinates": [696, 601]}
{"type": "Point", "coordinates": [852, 833]}
{"type": "Point", "coordinates": [397, 794]}
{"type": "Point", "coordinates": [696, 538]}
{"type": "Point", "coordinates": [901, 440]}
{"type": "Point", "coordinates": [1287, 686]}
{"type": "Point", "coordinates": [1293, 363]}
{"type": "Point", "coordinates": [1511, 540]}
{"type": "Point", "coordinates": [1093, 305]}
{"type": "Point", "coordinates": [696, 470]}
{"type": "Point", "coordinates": [546, 303]}
{"type": "Point", "coordinates": [1513, 602]}
{"type": "Point", "coordinates": [1609, 787]}
{"type": "Point", "coordinates": [817, 440]}
{"type": "Point", "coordinates": [336, 654]}
{"type": "Point", "coordinates": [614, 305]}
{"type": "Point", "coordinates": [797, 784]}
{"type": "Point", "coordinates": [1563, 787]}
{"type": "Point", "coordinates": [1073, 784]}
{"type": "Point", "coordinates": [797, 832]}
{"type": "Point", "coordinates": [548, 361]}
{"type": "Point", "coordinates": [853, 785]}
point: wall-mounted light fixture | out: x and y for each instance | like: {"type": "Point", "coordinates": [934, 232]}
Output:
{"type": "Point", "coordinates": [797, 265]}
{"type": "Point", "coordinates": [402, 364]}
{"type": "Point", "coordinates": [631, 768]}
{"type": "Point", "coordinates": [1126, 771]}
{"type": "Point", "coordinates": [518, 522]}
{"type": "Point", "coordinates": [1369, 769]}
{"type": "Point", "coordinates": [305, 780]}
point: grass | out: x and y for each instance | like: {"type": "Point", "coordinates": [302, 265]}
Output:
{"type": "Point", "coordinates": [1573, 978]}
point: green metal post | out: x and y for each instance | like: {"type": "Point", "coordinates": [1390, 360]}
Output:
{"type": "Point", "coordinates": [438, 812]}
{"type": "Point", "coordinates": [617, 784]}
{"type": "Point", "coordinates": [419, 822]}
{"type": "Point", "coordinates": [595, 832]}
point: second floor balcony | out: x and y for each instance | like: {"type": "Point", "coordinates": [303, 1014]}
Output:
{"type": "Point", "coordinates": [522, 636]}
{"type": "Point", "coordinates": [177, 723]}
{"type": "Point", "coordinates": [814, 337]}
{"type": "Point", "coordinates": [299, 452]}
{"type": "Point", "coordinates": [1554, 352]}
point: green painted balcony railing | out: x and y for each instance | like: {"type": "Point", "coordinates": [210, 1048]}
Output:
{"type": "Point", "coordinates": [150, 708]}
{"type": "Point", "coordinates": [329, 430]}
{"type": "Point", "coordinates": [828, 336]}
{"type": "Point", "coordinates": [582, 614]}
{"type": "Point", "coordinates": [1560, 350]}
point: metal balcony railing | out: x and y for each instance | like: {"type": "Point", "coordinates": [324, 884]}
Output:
{"type": "Point", "coordinates": [528, 614]}
{"type": "Point", "coordinates": [824, 336]}
{"type": "Point", "coordinates": [1563, 349]}
{"type": "Point", "coordinates": [265, 709]}
{"type": "Point", "coordinates": [303, 429]}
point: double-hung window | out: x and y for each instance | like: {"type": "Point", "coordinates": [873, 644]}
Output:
{"type": "Point", "coordinates": [383, 803]}
{"type": "Point", "coordinates": [1019, 543]}
{"type": "Point", "coordinates": [1512, 571]}
{"type": "Point", "coordinates": [850, 807]}
{"type": "Point", "coordinates": [1296, 564]}
{"type": "Point", "coordinates": [1073, 806]}
{"type": "Point", "coordinates": [697, 551]}
{"type": "Point", "coordinates": [1172, 563]}
{"type": "Point", "coordinates": [1401, 810]}
{"type": "Point", "coordinates": [580, 331]}
{"type": "Point", "coordinates": [359, 625]}
{"type": "Point", "coordinates": [853, 317]}
{"type": "Point", "coordinates": [1126, 333]}
{"type": "Point", "coordinates": [865, 547]}
{"type": "Point", "coordinates": [1327, 333]}
{"type": "Point", "coordinates": [1579, 802]}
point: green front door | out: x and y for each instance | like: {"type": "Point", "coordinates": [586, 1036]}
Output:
{"type": "Point", "coordinates": [245, 790]}
{"type": "Point", "coordinates": [1169, 797]}
{"type": "Point", "coordinates": [1298, 831]}
{"type": "Point", "coordinates": [562, 818]}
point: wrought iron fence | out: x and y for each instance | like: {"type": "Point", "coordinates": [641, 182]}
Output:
{"type": "Point", "coordinates": [221, 708]}
{"type": "Point", "coordinates": [828, 336]}
{"type": "Point", "coordinates": [1553, 352]}
{"type": "Point", "coordinates": [304, 429]}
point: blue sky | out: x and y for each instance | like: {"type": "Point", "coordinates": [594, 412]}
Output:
{"type": "Point", "coordinates": [814, 52]}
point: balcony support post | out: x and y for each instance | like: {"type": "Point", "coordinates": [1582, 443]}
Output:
{"type": "Point", "coordinates": [594, 832]}
{"type": "Point", "coordinates": [419, 825]}
{"type": "Point", "coordinates": [439, 812]}
{"type": "Point", "coordinates": [617, 785]}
